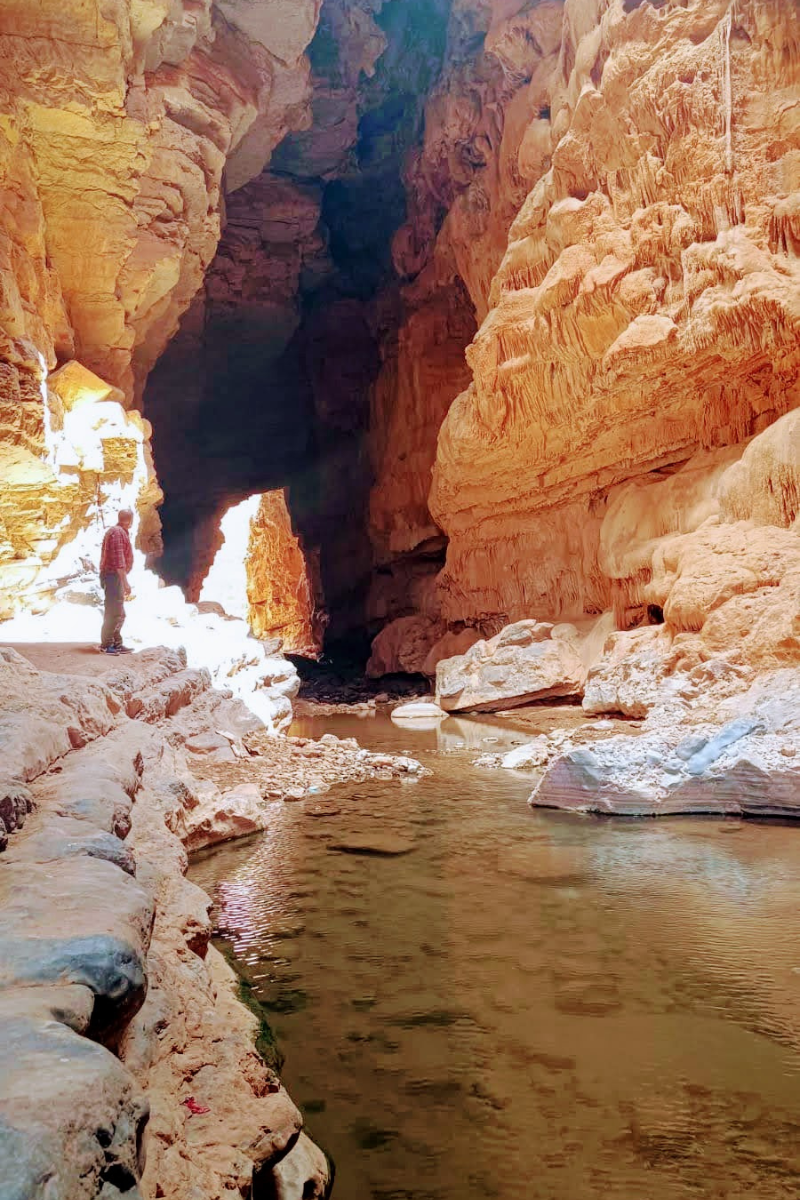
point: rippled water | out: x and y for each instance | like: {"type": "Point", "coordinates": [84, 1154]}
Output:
{"type": "Point", "coordinates": [527, 1005]}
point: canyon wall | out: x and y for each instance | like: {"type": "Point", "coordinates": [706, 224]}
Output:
{"type": "Point", "coordinates": [616, 187]}
{"type": "Point", "coordinates": [122, 125]}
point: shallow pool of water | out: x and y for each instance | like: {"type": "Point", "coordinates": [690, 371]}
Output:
{"type": "Point", "coordinates": [527, 1004]}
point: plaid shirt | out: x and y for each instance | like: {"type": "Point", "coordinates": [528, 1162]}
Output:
{"type": "Point", "coordinates": [117, 552]}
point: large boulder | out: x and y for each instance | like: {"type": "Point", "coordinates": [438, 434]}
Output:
{"type": "Point", "coordinates": [416, 645]}
{"type": "Point", "coordinates": [531, 660]}
{"type": "Point", "coordinates": [71, 1115]}
{"type": "Point", "coordinates": [685, 762]}
{"type": "Point", "coordinates": [303, 1174]}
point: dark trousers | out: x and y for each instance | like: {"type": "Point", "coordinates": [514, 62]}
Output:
{"type": "Point", "coordinates": [114, 613]}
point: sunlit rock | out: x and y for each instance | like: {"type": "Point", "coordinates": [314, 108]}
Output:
{"type": "Point", "coordinates": [163, 95]}
{"type": "Point", "coordinates": [260, 575]}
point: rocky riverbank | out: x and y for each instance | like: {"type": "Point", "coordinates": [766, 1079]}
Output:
{"type": "Point", "coordinates": [128, 1066]}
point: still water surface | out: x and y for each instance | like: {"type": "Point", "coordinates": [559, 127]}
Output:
{"type": "Point", "coordinates": [527, 1005]}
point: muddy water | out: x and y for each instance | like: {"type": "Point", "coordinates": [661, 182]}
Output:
{"type": "Point", "coordinates": [525, 1005]}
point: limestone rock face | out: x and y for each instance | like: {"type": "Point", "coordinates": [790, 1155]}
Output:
{"type": "Point", "coordinates": [114, 1008]}
{"type": "Point", "coordinates": [620, 192]}
{"type": "Point", "coordinates": [645, 307]}
{"type": "Point", "coordinates": [472, 167]}
{"type": "Point", "coordinates": [303, 1174]}
{"type": "Point", "coordinates": [63, 480]}
{"type": "Point", "coordinates": [415, 646]}
{"type": "Point", "coordinates": [527, 661]}
{"type": "Point", "coordinates": [119, 123]}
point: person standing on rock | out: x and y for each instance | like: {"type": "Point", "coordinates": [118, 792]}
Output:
{"type": "Point", "coordinates": [116, 560]}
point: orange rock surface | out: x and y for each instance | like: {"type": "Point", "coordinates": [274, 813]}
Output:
{"type": "Point", "coordinates": [647, 305]}
{"type": "Point", "coordinates": [260, 575]}
{"type": "Point", "coordinates": [118, 124]}
{"type": "Point", "coordinates": [119, 121]}
{"type": "Point", "coordinates": [622, 194]}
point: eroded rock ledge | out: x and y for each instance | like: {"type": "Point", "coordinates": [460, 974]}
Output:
{"type": "Point", "coordinates": [115, 1009]}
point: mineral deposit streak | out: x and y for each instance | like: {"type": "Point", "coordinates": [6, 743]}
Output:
{"type": "Point", "coordinates": [507, 1003]}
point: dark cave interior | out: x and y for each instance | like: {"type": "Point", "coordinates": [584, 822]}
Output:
{"type": "Point", "coordinates": [267, 383]}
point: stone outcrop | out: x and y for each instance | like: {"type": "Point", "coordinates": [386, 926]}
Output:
{"type": "Point", "coordinates": [529, 661]}
{"type": "Point", "coordinates": [734, 754]}
{"type": "Point", "coordinates": [115, 1009]}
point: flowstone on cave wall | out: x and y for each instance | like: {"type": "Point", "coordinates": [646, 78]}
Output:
{"type": "Point", "coordinates": [615, 187]}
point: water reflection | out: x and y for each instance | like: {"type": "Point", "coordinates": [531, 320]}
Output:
{"type": "Point", "coordinates": [528, 1004]}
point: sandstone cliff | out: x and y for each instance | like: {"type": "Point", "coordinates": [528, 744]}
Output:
{"type": "Point", "coordinates": [620, 190]}
{"type": "Point", "coordinates": [122, 125]}
{"type": "Point", "coordinates": [260, 575]}
{"type": "Point", "coordinates": [646, 307]}
{"type": "Point", "coordinates": [119, 122]}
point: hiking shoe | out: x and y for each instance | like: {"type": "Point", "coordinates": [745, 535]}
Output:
{"type": "Point", "coordinates": [109, 650]}
{"type": "Point", "coordinates": [124, 650]}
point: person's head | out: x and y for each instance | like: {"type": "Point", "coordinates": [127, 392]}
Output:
{"type": "Point", "coordinates": [125, 518]}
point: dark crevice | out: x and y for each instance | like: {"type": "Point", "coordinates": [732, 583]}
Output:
{"type": "Point", "coordinates": [267, 383]}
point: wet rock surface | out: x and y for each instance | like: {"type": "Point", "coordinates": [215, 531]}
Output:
{"type": "Point", "coordinates": [115, 1010]}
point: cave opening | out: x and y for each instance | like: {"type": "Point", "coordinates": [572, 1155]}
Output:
{"type": "Point", "coordinates": [266, 387]}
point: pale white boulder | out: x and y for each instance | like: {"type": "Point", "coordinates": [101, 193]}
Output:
{"type": "Point", "coordinates": [420, 713]}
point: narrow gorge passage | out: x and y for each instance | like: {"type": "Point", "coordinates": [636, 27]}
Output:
{"type": "Point", "coordinates": [441, 360]}
{"type": "Point", "coordinates": [268, 383]}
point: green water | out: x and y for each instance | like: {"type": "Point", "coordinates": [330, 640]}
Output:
{"type": "Point", "coordinates": [528, 1005]}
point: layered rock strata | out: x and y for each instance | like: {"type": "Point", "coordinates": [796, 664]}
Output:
{"type": "Point", "coordinates": [645, 309]}
{"type": "Point", "coordinates": [128, 1064]}
{"type": "Point", "coordinates": [619, 183]}
{"type": "Point", "coordinates": [119, 123]}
